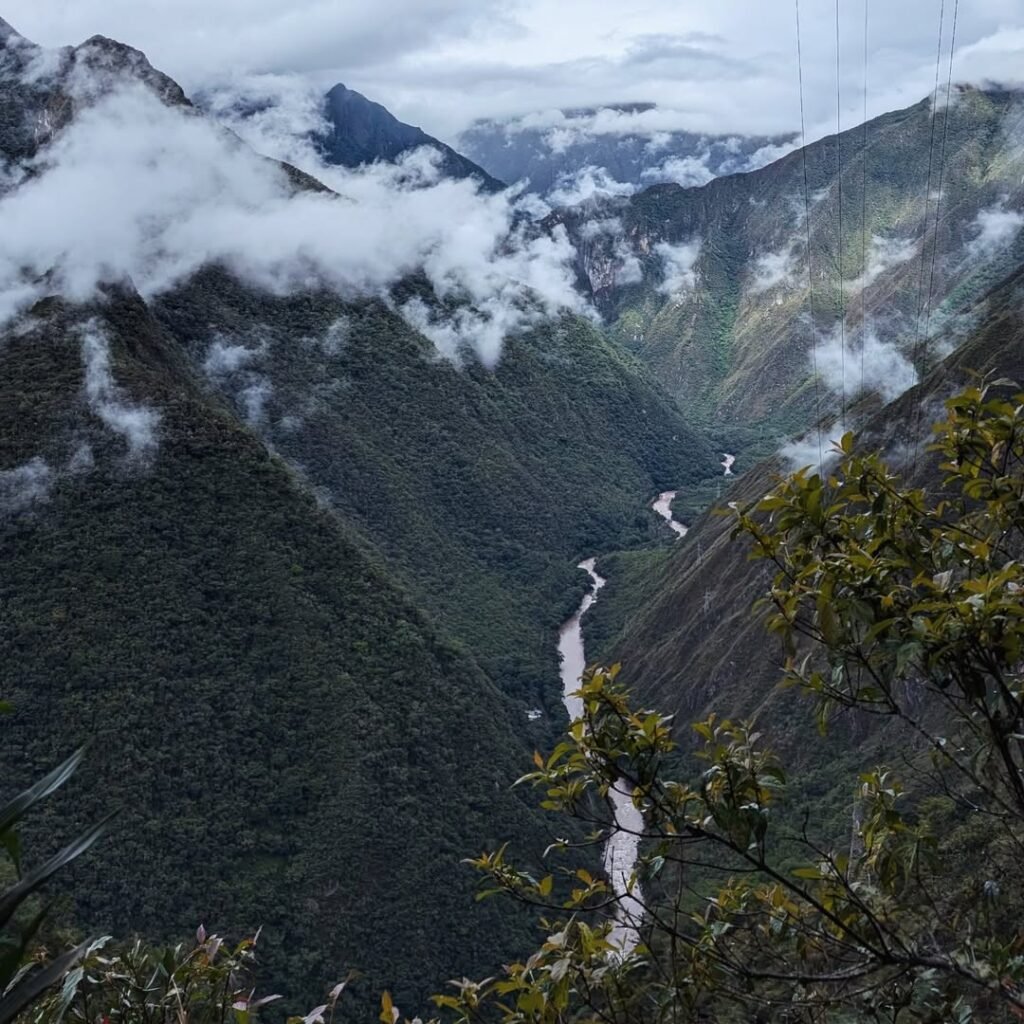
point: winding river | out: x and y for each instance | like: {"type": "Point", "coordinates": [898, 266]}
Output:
{"type": "Point", "coordinates": [622, 848]}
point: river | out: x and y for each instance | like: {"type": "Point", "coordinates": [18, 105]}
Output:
{"type": "Point", "coordinates": [622, 847]}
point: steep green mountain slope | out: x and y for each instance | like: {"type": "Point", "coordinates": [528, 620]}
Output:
{"type": "Point", "coordinates": [482, 486]}
{"type": "Point", "coordinates": [727, 314]}
{"type": "Point", "coordinates": [286, 740]}
{"type": "Point", "coordinates": [686, 633]}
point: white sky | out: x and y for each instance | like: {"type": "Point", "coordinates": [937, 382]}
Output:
{"type": "Point", "coordinates": [725, 65]}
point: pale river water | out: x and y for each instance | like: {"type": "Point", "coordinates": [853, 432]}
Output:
{"type": "Point", "coordinates": [622, 848]}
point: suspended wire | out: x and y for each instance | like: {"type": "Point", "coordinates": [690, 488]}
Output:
{"type": "Point", "coordinates": [928, 188]}
{"type": "Point", "coordinates": [942, 165]}
{"type": "Point", "coordinates": [864, 210]}
{"type": "Point", "coordinates": [839, 242]}
{"type": "Point", "coordinates": [807, 229]}
{"type": "Point", "coordinates": [917, 351]}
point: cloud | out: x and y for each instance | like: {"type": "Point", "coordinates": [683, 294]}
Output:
{"type": "Point", "coordinates": [589, 184]}
{"type": "Point", "coordinates": [225, 358]}
{"type": "Point", "coordinates": [996, 227]}
{"type": "Point", "coordinates": [864, 363]}
{"type": "Point", "coordinates": [608, 260]}
{"type": "Point", "coordinates": [25, 485]}
{"type": "Point", "coordinates": [170, 191]}
{"type": "Point", "coordinates": [883, 254]}
{"type": "Point", "coordinates": [686, 171]}
{"type": "Point", "coordinates": [815, 450]}
{"type": "Point", "coordinates": [254, 398]}
{"type": "Point", "coordinates": [137, 424]}
{"type": "Point", "coordinates": [772, 269]}
{"type": "Point", "coordinates": [678, 264]}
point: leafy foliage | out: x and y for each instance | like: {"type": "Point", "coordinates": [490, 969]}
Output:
{"type": "Point", "coordinates": [21, 979]}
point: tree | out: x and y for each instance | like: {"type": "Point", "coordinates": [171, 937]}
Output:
{"type": "Point", "coordinates": [890, 601]}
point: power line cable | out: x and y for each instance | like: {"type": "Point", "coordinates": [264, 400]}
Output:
{"type": "Point", "coordinates": [807, 229]}
{"type": "Point", "coordinates": [942, 167]}
{"type": "Point", "coordinates": [917, 350]}
{"type": "Point", "coordinates": [928, 189]}
{"type": "Point", "coordinates": [864, 211]}
{"type": "Point", "coordinates": [839, 241]}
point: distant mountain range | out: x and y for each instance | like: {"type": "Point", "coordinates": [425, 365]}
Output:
{"type": "Point", "coordinates": [634, 145]}
{"type": "Point", "coordinates": [729, 294]}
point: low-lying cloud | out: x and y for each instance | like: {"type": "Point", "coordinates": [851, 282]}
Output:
{"type": "Point", "coordinates": [772, 269]}
{"type": "Point", "coordinates": [678, 266]}
{"type": "Point", "coordinates": [589, 184]}
{"type": "Point", "coordinates": [852, 364]}
{"type": "Point", "coordinates": [170, 191]}
{"type": "Point", "coordinates": [137, 424]}
{"type": "Point", "coordinates": [996, 229]}
{"type": "Point", "coordinates": [815, 450]}
{"type": "Point", "coordinates": [883, 254]}
{"type": "Point", "coordinates": [25, 485]}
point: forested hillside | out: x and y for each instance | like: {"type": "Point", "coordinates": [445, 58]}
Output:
{"type": "Point", "coordinates": [286, 741]}
{"type": "Point", "coordinates": [482, 486]}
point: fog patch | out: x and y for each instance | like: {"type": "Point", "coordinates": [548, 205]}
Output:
{"type": "Point", "coordinates": [678, 264]}
{"type": "Point", "coordinates": [333, 340]}
{"type": "Point", "coordinates": [687, 171]}
{"type": "Point", "coordinates": [997, 228]}
{"type": "Point", "coordinates": [609, 263]}
{"type": "Point", "coordinates": [773, 269]}
{"type": "Point", "coordinates": [883, 255]}
{"type": "Point", "coordinates": [137, 424]}
{"type": "Point", "coordinates": [224, 358]}
{"type": "Point", "coordinates": [25, 485]}
{"type": "Point", "coordinates": [588, 185]}
{"type": "Point", "coordinates": [816, 450]}
{"type": "Point", "coordinates": [253, 399]}
{"type": "Point", "coordinates": [864, 363]}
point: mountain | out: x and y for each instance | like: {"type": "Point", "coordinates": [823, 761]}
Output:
{"type": "Point", "coordinates": [681, 621]}
{"type": "Point", "coordinates": [363, 132]}
{"type": "Point", "coordinates": [911, 219]}
{"type": "Point", "coordinates": [634, 145]}
{"type": "Point", "coordinates": [285, 739]}
{"type": "Point", "coordinates": [294, 576]}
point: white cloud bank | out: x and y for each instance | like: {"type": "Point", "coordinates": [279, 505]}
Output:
{"type": "Point", "coordinates": [996, 228]}
{"type": "Point", "coordinates": [678, 264]}
{"type": "Point", "coordinates": [135, 189]}
{"type": "Point", "coordinates": [865, 363]}
{"type": "Point", "coordinates": [137, 424]}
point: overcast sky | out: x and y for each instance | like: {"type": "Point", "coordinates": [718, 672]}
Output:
{"type": "Point", "coordinates": [726, 65]}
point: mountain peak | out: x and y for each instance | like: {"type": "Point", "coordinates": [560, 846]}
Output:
{"type": "Point", "coordinates": [362, 131]}
{"type": "Point", "coordinates": [7, 31]}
